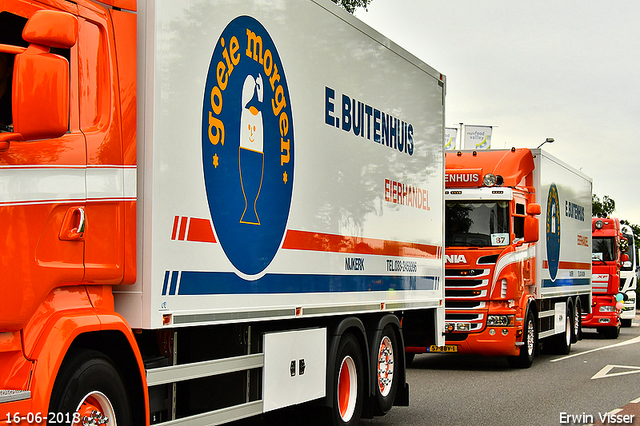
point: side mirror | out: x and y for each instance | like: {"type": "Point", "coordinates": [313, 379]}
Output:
{"type": "Point", "coordinates": [534, 209]}
{"type": "Point", "coordinates": [531, 229]}
{"type": "Point", "coordinates": [51, 28]}
{"type": "Point", "coordinates": [624, 245]}
{"type": "Point", "coordinates": [40, 95]}
{"type": "Point", "coordinates": [40, 86]}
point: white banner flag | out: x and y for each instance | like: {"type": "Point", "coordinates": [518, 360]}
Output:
{"type": "Point", "coordinates": [477, 137]}
{"type": "Point", "coordinates": [450, 138]}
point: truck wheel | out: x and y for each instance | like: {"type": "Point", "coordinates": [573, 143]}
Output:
{"type": "Point", "coordinates": [610, 332]}
{"type": "Point", "coordinates": [561, 343]}
{"type": "Point", "coordinates": [528, 350]}
{"type": "Point", "coordinates": [348, 382]}
{"type": "Point", "coordinates": [90, 386]}
{"type": "Point", "coordinates": [626, 322]}
{"type": "Point", "coordinates": [577, 322]}
{"type": "Point", "coordinates": [386, 366]}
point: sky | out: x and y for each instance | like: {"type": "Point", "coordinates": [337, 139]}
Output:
{"type": "Point", "coordinates": [562, 69]}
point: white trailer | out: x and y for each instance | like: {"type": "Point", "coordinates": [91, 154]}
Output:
{"type": "Point", "coordinates": [290, 210]}
{"type": "Point", "coordinates": [629, 278]}
{"type": "Point", "coordinates": [563, 259]}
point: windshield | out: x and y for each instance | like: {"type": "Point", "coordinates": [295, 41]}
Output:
{"type": "Point", "coordinates": [477, 224]}
{"type": "Point", "coordinates": [603, 249]}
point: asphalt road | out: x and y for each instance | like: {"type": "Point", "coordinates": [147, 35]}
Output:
{"type": "Point", "coordinates": [599, 376]}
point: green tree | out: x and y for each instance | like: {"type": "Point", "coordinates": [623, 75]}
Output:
{"type": "Point", "coordinates": [603, 208]}
{"type": "Point", "coordinates": [351, 5]}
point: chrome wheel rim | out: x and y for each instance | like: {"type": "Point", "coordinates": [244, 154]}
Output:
{"type": "Point", "coordinates": [385, 366]}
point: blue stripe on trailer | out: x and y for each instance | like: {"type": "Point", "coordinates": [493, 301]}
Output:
{"type": "Point", "coordinates": [566, 282]}
{"type": "Point", "coordinates": [201, 283]}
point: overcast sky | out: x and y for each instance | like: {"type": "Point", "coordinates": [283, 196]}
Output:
{"type": "Point", "coordinates": [569, 70]}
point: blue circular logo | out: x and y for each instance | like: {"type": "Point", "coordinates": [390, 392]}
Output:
{"type": "Point", "coordinates": [247, 145]}
{"type": "Point", "coordinates": [553, 231]}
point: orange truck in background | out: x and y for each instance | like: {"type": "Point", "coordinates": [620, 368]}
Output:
{"type": "Point", "coordinates": [609, 254]}
{"type": "Point", "coordinates": [517, 253]}
{"type": "Point", "coordinates": [159, 266]}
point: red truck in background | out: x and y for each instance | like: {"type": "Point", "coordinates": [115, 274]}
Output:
{"type": "Point", "coordinates": [608, 255]}
{"type": "Point", "coordinates": [514, 278]}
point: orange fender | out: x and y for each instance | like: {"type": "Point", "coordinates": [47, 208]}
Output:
{"type": "Point", "coordinates": [67, 313]}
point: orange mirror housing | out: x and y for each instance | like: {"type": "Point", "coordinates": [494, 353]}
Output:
{"type": "Point", "coordinates": [534, 209]}
{"type": "Point", "coordinates": [531, 229]}
{"type": "Point", "coordinates": [40, 98]}
{"type": "Point", "coordinates": [40, 95]}
{"type": "Point", "coordinates": [52, 29]}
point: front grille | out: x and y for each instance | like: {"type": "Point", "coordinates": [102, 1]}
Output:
{"type": "Point", "coordinates": [600, 287]}
{"type": "Point", "coordinates": [488, 260]}
{"type": "Point", "coordinates": [463, 317]}
{"type": "Point", "coordinates": [463, 283]}
{"type": "Point", "coordinates": [465, 272]}
{"type": "Point", "coordinates": [469, 294]}
{"type": "Point", "coordinates": [456, 304]}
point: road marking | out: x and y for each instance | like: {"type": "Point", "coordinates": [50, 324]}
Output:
{"type": "Point", "coordinates": [605, 372]}
{"type": "Point", "coordinates": [635, 401]}
{"type": "Point", "coordinates": [627, 342]}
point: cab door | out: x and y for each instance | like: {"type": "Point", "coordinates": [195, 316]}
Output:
{"type": "Point", "coordinates": [42, 164]}
{"type": "Point", "coordinates": [100, 122]}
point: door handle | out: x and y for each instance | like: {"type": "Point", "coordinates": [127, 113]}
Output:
{"type": "Point", "coordinates": [73, 225]}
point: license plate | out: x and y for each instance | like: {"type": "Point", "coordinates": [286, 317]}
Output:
{"type": "Point", "coordinates": [445, 348]}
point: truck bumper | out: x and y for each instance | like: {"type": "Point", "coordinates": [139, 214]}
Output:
{"type": "Point", "coordinates": [600, 319]}
{"type": "Point", "coordinates": [629, 310]}
{"type": "Point", "coordinates": [491, 341]}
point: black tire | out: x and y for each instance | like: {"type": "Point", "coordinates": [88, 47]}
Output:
{"type": "Point", "coordinates": [88, 381]}
{"type": "Point", "coordinates": [561, 343]}
{"type": "Point", "coordinates": [348, 378]}
{"type": "Point", "coordinates": [385, 364]}
{"type": "Point", "coordinates": [626, 322]}
{"type": "Point", "coordinates": [577, 322]}
{"type": "Point", "coordinates": [528, 350]}
{"type": "Point", "coordinates": [610, 332]}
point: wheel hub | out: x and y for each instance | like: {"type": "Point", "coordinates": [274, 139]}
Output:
{"type": "Point", "coordinates": [347, 388]}
{"type": "Point", "coordinates": [385, 366]}
{"type": "Point", "coordinates": [95, 410]}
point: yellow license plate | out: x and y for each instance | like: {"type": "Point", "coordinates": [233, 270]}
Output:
{"type": "Point", "coordinates": [445, 348]}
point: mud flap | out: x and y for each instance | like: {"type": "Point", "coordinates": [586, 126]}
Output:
{"type": "Point", "coordinates": [402, 397]}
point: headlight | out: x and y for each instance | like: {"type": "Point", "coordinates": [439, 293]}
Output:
{"type": "Point", "coordinates": [463, 326]}
{"type": "Point", "coordinates": [607, 308]}
{"type": "Point", "coordinates": [489, 179]}
{"type": "Point", "coordinates": [500, 320]}
{"type": "Point", "coordinates": [457, 326]}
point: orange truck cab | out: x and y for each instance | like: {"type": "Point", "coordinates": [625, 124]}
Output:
{"type": "Point", "coordinates": [609, 253]}
{"type": "Point", "coordinates": [517, 253]}
{"type": "Point", "coordinates": [68, 205]}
